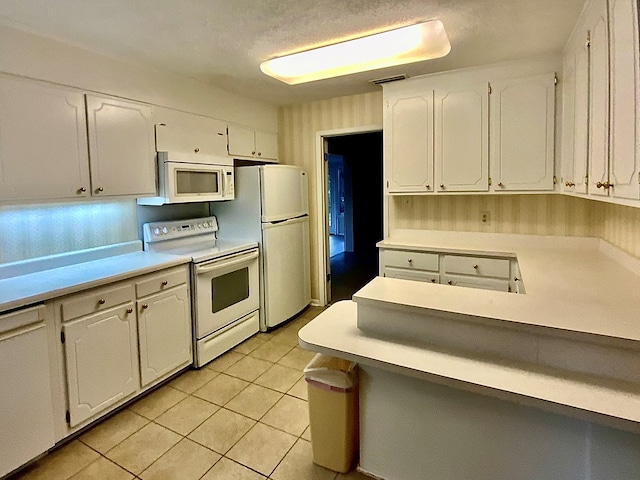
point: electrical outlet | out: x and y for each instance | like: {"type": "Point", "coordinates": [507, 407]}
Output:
{"type": "Point", "coordinates": [485, 219]}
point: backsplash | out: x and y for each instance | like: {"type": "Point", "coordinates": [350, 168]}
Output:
{"type": "Point", "coordinates": [522, 214]}
{"type": "Point", "coordinates": [30, 231]}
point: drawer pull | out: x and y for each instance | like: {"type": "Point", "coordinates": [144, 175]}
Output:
{"type": "Point", "coordinates": [433, 280]}
{"type": "Point", "coordinates": [102, 301]}
{"type": "Point", "coordinates": [475, 266]}
{"type": "Point", "coordinates": [165, 283]}
{"type": "Point", "coordinates": [410, 260]}
{"type": "Point", "coordinates": [129, 310]}
{"type": "Point", "coordinates": [145, 306]}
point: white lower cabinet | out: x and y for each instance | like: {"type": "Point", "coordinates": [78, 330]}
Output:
{"type": "Point", "coordinates": [121, 339]}
{"type": "Point", "coordinates": [101, 356]}
{"type": "Point", "coordinates": [164, 333]}
{"type": "Point", "coordinates": [472, 271]}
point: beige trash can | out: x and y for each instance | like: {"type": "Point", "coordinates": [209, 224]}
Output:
{"type": "Point", "coordinates": [332, 385]}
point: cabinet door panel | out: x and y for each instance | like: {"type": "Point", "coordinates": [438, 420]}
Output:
{"type": "Point", "coordinates": [625, 131]}
{"type": "Point", "coordinates": [409, 143]}
{"type": "Point", "coordinates": [121, 147]}
{"type": "Point", "coordinates": [581, 125]}
{"type": "Point", "coordinates": [599, 107]}
{"type": "Point", "coordinates": [43, 142]}
{"type": "Point", "coordinates": [568, 120]}
{"type": "Point", "coordinates": [266, 145]}
{"type": "Point", "coordinates": [241, 141]}
{"type": "Point", "coordinates": [461, 140]}
{"type": "Point", "coordinates": [189, 133]}
{"type": "Point", "coordinates": [165, 334]}
{"type": "Point", "coordinates": [522, 138]}
{"type": "Point", "coordinates": [101, 354]}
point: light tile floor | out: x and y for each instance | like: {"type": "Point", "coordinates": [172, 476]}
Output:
{"type": "Point", "coordinates": [242, 417]}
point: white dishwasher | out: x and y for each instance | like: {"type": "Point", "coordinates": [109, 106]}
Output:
{"type": "Point", "coordinates": [26, 411]}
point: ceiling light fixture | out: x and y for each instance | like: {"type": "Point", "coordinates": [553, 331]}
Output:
{"type": "Point", "coordinates": [422, 41]}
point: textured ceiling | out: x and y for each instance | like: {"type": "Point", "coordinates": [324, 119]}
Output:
{"type": "Point", "coordinates": [222, 42]}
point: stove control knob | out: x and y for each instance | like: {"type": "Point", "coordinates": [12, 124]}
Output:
{"type": "Point", "coordinates": [165, 230]}
{"type": "Point", "coordinates": [156, 231]}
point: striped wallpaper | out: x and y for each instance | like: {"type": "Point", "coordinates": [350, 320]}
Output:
{"type": "Point", "coordinates": [297, 128]}
{"type": "Point", "coordinates": [525, 214]}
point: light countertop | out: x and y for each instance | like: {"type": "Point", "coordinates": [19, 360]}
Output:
{"type": "Point", "coordinates": [580, 288]}
{"type": "Point", "coordinates": [572, 283]}
{"type": "Point", "coordinates": [23, 290]}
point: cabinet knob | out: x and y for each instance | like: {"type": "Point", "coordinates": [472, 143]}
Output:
{"type": "Point", "coordinates": [99, 190]}
{"type": "Point", "coordinates": [145, 306]}
{"type": "Point", "coordinates": [428, 186]}
{"type": "Point", "coordinates": [410, 260]}
{"type": "Point", "coordinates": [607, 185]}
{"type": "Point", "coordinates": [165, 283]}
{"type": "Point", "coordinates": [442, 186]}
{"type": "Point", "coordinates": [516, 279]}
{"type": "Point", "coordinates": [475, 266]}
{"type": "Point", "coordinates": [129, 310]}
{"type": "Point", "coordinates": [196, 149]}
{"type": "Point", "coordinates": [253, 153]}
{"type": "Point", "coordinates": [433, 280]}
{"type": "Point", "coordinates": [102, 301]}
{"type": "Point", "coordinates": [450, 282]}
{"type": "Point", "coordinates": [82, 190]}
{"type": "Point", "coordinates": [259, 153]}
{"type": "Point", "coordinates": [570, 184]}
{"type": "Point", "coordinates": [500, 184]}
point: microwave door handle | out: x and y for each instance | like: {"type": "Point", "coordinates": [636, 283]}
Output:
{"type": "Point", "coordinates": [224, 263]}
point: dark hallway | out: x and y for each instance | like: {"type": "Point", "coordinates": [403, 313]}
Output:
{"type": "Point", "coordinates": [363, 199]}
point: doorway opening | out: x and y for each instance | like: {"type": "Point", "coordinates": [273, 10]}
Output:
{"type": "Point", "coordinates": [354, 209]}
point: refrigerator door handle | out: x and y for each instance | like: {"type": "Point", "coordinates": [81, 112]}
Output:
{"type": "Point", "coordinates": [285, 221]}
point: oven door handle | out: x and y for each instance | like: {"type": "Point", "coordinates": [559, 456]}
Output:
{"type": "Point", "coordinates": [226, 262]}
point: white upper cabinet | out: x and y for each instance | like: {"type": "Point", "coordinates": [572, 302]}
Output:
{"type": "Point", "coordinates": [624, 173]}
{"type": "Point", "coordinates": [121, 147]}
{"type": "Point", "coordinates": [43, 142]}
{"type": "Point", "coordinates": [599, 102]}
{"type": "Point", "coordinates": [575, 114]}
{"type": "Point", "coordinates": [408, 142]}
{"type": "Point", "coordinates": [522, 133]}
{"type": "Point", "coordinates": [188, 133]}
{"type": "Point", "coordinates": [244, 142]}
{"type": "Point", "coordinates": [461, 139]}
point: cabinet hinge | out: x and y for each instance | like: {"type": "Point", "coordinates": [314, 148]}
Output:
{"type": "Point", "coordinates": [489, 181]}
{"type": "Point", "coordinates": [62, 337]}
{"type": "Point", "coordinates": [555, 180]}
{"type": "Point", "coordinates": [555, 80]}
{"type": "Point", "coordinates": [489, 89]}
{"type": "Point", "coordinates": [67, 416]}
{"type": "Point", "coordinates": [328, 277]}
{"type": "Point", "coordinates": [387, 183]}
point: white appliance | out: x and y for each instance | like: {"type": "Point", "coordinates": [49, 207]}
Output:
{"type": "Point", "coordinates": [188, 177]}
{"type": "Point", "coordinates": [272, 208]}
{"type": "Point", "coordinates": [225, 294]}
{"type": "Point", "coordinates": [26, 419]}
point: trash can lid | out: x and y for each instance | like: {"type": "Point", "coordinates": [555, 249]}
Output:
{"type": "Point", "coordinates": [331, 371]}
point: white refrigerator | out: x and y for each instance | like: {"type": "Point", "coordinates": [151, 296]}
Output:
{"type": "Point", "coordinates": [272, 207]}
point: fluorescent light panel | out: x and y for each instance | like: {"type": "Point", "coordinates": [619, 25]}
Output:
{"type": "Point", "coordinates": [422, 41]}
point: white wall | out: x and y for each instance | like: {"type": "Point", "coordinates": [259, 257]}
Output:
{"type": "Point", "coordinates": [37, 57]}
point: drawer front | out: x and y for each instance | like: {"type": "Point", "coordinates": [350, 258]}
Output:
{"type": "Point", "coordinates": [162, 281]}
{"type": "Point", "coordinates": [477, 266]}
{"type": "Point", "coordinates": [476, 282]}
{"type": "Point", "coordinates": [96, 300]}
{"type": "Point", "coordinates": [411, 260]}
{"type": "Point", "coordinates": [417, 275]}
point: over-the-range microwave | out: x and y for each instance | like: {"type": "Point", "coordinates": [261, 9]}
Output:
{"type": "Point", "coordinates": [188, 177]}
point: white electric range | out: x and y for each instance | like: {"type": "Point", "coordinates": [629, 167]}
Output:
{"type": "Point", "coordinates": [225, 295]}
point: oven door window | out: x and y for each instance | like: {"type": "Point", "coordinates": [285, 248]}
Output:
{"type": "Point", "coordinates": [229, 289]}
{"type": "Point", "coordinates": [196, 182]}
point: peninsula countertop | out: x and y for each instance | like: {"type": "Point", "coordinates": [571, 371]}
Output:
{"type": "Point", "coordinates": [580, 287]}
